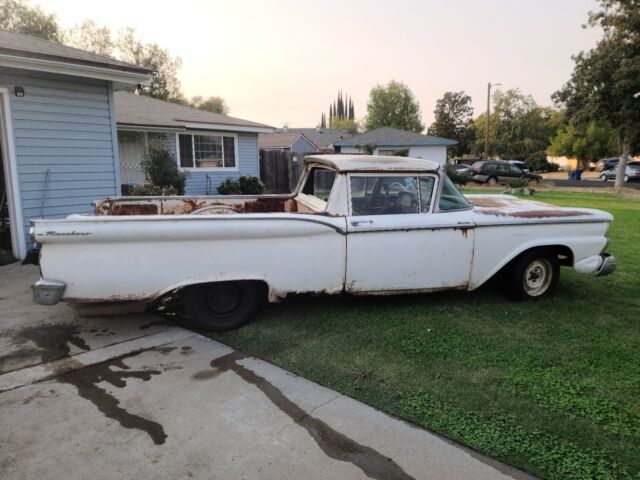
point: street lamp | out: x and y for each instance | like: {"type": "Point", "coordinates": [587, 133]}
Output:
{"type": "Point", "coordinates": [486, 124]}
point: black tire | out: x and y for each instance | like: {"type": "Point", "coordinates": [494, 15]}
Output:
{"type": "Point", "coordinates": [533, 275]}
{"type": "Point", "coordinates": [222, 306]}
{"type": "Point", "coordinates": [492, 180]}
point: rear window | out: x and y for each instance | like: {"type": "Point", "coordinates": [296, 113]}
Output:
{"type": "Point", "coordinates": [477, 165]}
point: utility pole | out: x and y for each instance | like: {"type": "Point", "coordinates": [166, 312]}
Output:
{"type": "Point", "coordinates": [486, 120]}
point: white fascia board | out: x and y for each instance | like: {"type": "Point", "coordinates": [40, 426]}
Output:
{"type": "Point", "coordinates": [229, 128]}
{"type": "Point", "coordinates": [120, 78]}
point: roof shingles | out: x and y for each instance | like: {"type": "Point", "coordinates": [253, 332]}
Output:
{"type": "Point", "coordinates": [393, 137]}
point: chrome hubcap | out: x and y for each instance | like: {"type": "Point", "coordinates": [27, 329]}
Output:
{"type": "Point", "coordinates": [537, 277]}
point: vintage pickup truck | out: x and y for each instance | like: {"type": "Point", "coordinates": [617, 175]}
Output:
{"type": "Point", "coordinates": [356, 224]}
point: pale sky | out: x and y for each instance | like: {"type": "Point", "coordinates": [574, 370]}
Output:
{"type": "Point", "coordinates": [283, 61]}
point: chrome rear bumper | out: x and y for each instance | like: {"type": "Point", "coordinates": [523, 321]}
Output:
{"type": "Point", "coordinates": [48, 292]}
{"type": "Point", "coordinates": [608, 265]}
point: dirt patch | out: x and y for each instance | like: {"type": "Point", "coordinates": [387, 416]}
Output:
{"type": "Point", "coordinates": [333, 443]}
{"type": "Point", "coordinates": [42, 344]}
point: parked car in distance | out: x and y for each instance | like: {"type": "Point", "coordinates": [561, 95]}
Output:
{"type": "Point", "coordinates": [631, 173]}
{"type": "Point", "coordinates": [606, 164]}
{"type": "Point", "coordinates": [519, 163]}
{"type": "Point", "coordinates": [493, 172]}
{"type": "Point", "coordinates": [461, 168]}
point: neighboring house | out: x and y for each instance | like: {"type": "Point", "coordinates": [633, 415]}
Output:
{"type": "Point", "coordinates": [57, 129]}
{"type": "Point", "coordinates": [392, 141]}
{"type": "Point", "coordinates": [210, 147]}
{"type": "Point", "coordinates": [322, 138]}
{"type": "Point", "coordinates": [285, 141]}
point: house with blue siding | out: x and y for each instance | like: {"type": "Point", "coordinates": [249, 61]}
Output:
{"type": "Point", "coordinates": [58, 138]}
{"type": "Point", "coordinates": [209, 147]}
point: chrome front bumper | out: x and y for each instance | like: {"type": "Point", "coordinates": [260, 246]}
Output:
{"type": "Point", "coordinates": [608, 265]}
{"type": "Point", "coordinates": [48, 292]}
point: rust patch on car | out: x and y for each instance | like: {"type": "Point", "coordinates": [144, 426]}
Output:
{"type": "Point", "coordinates": [52, 233]}
{"type": "Point", "coordinates": [134, 209]}
{"type": "Point", "coordinates": [333, 443]}
{"type": "Point", "coordinates": [541, 213]}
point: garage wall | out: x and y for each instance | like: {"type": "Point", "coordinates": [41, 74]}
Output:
{"type": "Point", "coordinates": [63, 124]}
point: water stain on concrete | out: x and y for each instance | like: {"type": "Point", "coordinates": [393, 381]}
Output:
{"type": "Point", "coordinates": [42, 344]}
{"type": "Point", "coordinates": [333, 443]}
{"type": "Point", "coordinates": [86, 381]}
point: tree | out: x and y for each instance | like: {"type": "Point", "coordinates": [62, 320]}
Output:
{"type": "Point", "coordinates": [518, 126]}
{"type": "Point", "coordinates": [210, 104]}
{"type": "Point", "coordinates": [345, 124]}
{"type": "Point", "coordinates": [89, 36]}
{"type": "Point", "coordinates": [165, 84]}
{"type": "Point", "coordinates": [586, 142]}
{"type": "Point", "coordinates": [18, 16]}
{"type": "Point", "coordinates": [453, 119]}
{"type": "Point", "coordinates": [393, 105]}
{"type": "Point", "coordinates": [605, 83]}
{"type": "Point", "coordinates": [323, 121]}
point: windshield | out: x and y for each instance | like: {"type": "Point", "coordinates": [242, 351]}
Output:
{"type": "Point", "coordinates": [450, 197]}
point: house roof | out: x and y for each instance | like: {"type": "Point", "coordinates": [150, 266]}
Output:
{"type": "Point", "coordinates": [393, 137]}
{"type": "Point", "coordinates": [25, 51]}
{"type": "Point", "coordinates": [322, 138]}
{"type": "Point", "coordinates": [280, 140]}
{"type": "Point", "coordinates": [142, 111]}
{"type": "Point", "coordinates": [374, 163]}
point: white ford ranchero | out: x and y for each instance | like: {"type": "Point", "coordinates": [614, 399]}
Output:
{"type": "Point", "coordinates": [357, 224]}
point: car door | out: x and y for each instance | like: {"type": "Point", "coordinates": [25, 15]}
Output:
{"type": "Point", "coordinates": [504, 172]}
{"type": "Point", "coordinates": [398, 240]}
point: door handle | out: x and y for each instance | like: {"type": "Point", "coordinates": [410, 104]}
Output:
{"type": "Point", "coordinates": [356, 223]}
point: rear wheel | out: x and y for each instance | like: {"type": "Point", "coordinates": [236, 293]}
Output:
{"type": "Point", "coordinates": [492, 180]}
{"type": "Point", "coordinates": [222, 306]}
{"type": "Point", "coordinates": [603, 177]}
{"type": "Point", "coordinates": [626, 178]}
{"type": "Point", "coordinates": [533, 275]}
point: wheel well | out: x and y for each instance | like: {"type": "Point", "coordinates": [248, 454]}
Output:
{"type": "Point", "coordinates": [561, 252]}
{"type": "Point", "coordinates": [175, 295]}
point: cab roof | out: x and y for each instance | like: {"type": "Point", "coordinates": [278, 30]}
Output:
{"type": "Point", "coordinates": [373, 163]}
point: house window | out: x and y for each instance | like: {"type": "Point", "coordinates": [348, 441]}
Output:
{"type": "Point", "coordinates": [207, 151]}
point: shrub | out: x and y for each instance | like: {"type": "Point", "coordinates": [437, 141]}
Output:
{"type": "Point", "coordinates": [149, 190]}
{"type": "Point", "coordinates": [161, 170]}
{"type": "Point", "coordinates": [245, 185]}
{"type": "Point", "coordinates": [251, 185]}
{"type": "Point", "coordinates": [537, 162]}
{"type": "Point", "coordinates": [516, 182]}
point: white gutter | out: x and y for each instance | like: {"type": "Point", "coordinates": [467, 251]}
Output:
{"type": "Point", "coordinates": [230, 128]}
{"type": "Point", "coordinates": [120, 78]}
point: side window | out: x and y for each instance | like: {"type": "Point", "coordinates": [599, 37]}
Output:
{"type": "Point", "coordinates": [426, 193]}
{"type": "Point", "coordinates": [319, 183]}
{"type": "Point", "coordinates": [450, 197]}
{"type": "Point", "coordinates": [516, 170]}
{"type": "Point", "coordinates": [503, 168]}
{"type": "Point", "coordinates": [384, 195]}
{"type": "Point", "coordinates": [489, 168]}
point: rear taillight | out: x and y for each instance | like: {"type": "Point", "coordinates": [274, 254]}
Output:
{"type": "Point", "coordinates": [476, 171]}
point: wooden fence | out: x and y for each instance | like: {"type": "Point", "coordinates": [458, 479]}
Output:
{"type": "Point", "coordinates": [280, 171]}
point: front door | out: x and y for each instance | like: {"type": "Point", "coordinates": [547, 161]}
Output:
{"type": "Point", "coordinates": [396, 242]}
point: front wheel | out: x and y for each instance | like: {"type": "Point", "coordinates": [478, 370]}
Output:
{"type": "Point", "coordinates": [603, 178]}
{"type": "Point", "coordinates": [626, 178]}
{"type": "Point", "coordinates": [533, 275]}
{"type": "Point", "coordinates": [222, 306]}
{"type": "Point", "coordinates": [492, 180]}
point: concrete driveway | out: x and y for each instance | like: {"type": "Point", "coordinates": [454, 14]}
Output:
{"type": "Point", "coordinates": [135, 397]}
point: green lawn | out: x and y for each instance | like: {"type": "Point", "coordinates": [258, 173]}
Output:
{"type": "Point", "coordinates": [552, 387]}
